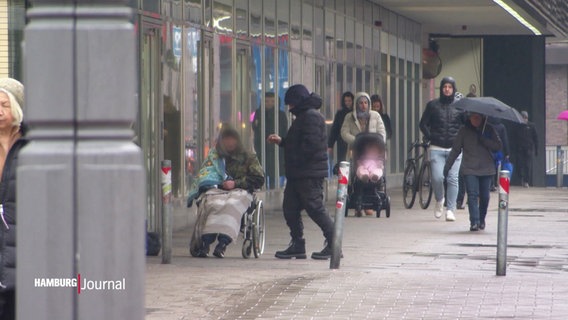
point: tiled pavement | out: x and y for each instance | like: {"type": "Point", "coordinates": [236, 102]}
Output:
{"type": "Point", "coordinates": [410, 266]}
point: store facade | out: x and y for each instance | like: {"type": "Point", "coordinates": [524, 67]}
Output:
{"type": "Point", "coordinates": [204, 63]}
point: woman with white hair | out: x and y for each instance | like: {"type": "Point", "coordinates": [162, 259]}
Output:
{"type": "Point", "coordinates": [12, 140]}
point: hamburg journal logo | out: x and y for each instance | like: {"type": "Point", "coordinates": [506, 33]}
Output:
{"type": "Point", "coordinates": [81, 284]}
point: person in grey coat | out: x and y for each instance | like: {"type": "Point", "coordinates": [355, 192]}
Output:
{"type": "Point", "coordinates": [478, 140]}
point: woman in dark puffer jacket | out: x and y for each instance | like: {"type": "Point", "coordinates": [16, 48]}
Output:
{"type": "Point", "coordinates": [11, 141]}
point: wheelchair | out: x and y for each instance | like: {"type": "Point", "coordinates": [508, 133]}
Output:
{"type": "Point", "coordinates": [254, 229]}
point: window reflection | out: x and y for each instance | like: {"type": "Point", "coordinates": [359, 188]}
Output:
{"type": "Point", "coordinates": [223, 15]}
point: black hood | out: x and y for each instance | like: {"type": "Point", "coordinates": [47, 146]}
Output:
{"type": "Point", "coordinates": [313, 101]}
{"type": "Point", "coordinates": [443, 98]}
{"type": "Point", "coordinates": [347, 94]}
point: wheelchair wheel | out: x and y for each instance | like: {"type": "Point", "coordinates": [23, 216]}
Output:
{"type": "Point", "coordinates": [258, 230]}
{"type": "Point", "coordinates": [247, 249]}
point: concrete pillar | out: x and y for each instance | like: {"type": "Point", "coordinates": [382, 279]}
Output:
{"type": "Point", "coordinates": [81, 185]}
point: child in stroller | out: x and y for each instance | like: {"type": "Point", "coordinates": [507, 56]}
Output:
{"type": "Point", "coordinates": [367, 190]}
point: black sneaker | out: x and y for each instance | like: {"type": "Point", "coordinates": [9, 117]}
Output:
{"type": "Point", "coordinates": [297, 249]}
{"type": "Point", "coordinates": [482, 226]}
{"type": "Point", "coordinates": [203, 251]}
{"type": "Point", "coordinates": [474, 227]}
{"type": "Point", "coordinates": [219, 251]}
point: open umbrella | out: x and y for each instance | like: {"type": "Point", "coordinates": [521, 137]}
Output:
{"type": "Point", "coordinates": [489, 106]}
{"type": "Point", "coordinates": [563, 115]}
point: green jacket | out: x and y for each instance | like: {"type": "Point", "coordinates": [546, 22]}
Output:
{"type": "Point", "coordinates": [245, 170]}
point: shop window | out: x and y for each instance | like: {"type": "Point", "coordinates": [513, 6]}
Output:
{"type": "Point", "coordinates": [241, 18]}
{"type": "Point", "coordinates": [207, 8]}
{"type": "Point", "coordinates": [307, 28]}
{"type": "Point", "coordinates": [283, 16]}
{"type": "Point", "coordinates": [255, 9]}
{"type": "Point", "coordinates": [402, 111]}
{"type": "Point", "coordinates": [359, 80]}
{"type": "Point", "coordinates": [319, 38]}
{"type": "Point", "coordinates": [269, 21]}
{"type": "Point", "coordinates": [349, 40]}
{"type": "Point", "coordinates": [340, 36]}
{"type": "Point", "coordinates": [359, 44]}
{"type": "Point", "coordinates": [223, 15]}
{"type": "Point", "coordinates": [151, 6]}
{"type": "Point", "coordinates": [349, 83]}
{"type": "Point", "coordinates": [296, 24]}
{"type": "Point", "coordinates": [192, 11]}
{"type": "Point", "coordinates": [329, 34]}
{"type": "Point", "coordinates": [296, 68]}
{"type": "Point", "coordinates": [339, 81]}
{"type": "Point", "coordinates": [192, 108]}
{"type": "Point", "coordinates": [340, 6]}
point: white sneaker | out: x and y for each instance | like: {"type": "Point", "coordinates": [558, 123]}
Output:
{"type": "Point", "coordinates": [439, 209]}
{"type": "Point", "coordinates": [450, 216]}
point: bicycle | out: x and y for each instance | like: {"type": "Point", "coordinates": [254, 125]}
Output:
{"type": "Point", "coordinates": [414, 181]}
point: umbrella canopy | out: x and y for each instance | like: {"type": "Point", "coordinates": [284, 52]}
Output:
{"type": "Point", "coordinates": [563, 115]}
{"type": "Point", "coordinates": [489, 106]}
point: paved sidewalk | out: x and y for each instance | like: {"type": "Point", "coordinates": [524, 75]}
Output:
{"type": "Point", "coordinates": [410, 266]}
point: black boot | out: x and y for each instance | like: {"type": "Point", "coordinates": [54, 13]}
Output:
{"type": "Point", "coordinates": [325, 254]}
{"type": "Point", "coordinates": [297, 249]}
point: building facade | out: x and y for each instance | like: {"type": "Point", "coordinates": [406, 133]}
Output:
{"type": "Point", "coordinates": [204, 63]}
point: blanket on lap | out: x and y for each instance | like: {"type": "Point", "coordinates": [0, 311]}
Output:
{"type": "Point", "coordinates": [220, 211]}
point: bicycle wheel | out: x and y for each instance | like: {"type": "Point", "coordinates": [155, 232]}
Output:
{"type": "Point", "coordinates": [409, 185]}
{"type": "Point", "coordinates": [259, 228]}
{"type": "Point", "coordinates": [425, 185]}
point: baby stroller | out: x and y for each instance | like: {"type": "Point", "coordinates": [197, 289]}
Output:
{"type": "Point", "coordinates": [363, 195]}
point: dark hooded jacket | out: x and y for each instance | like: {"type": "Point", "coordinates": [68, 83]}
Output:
{"type": "Point", "coordinates": [502, 132]}
{"type": "Point", "coordinates": [335, 132]}
{"type": "Point", "coordinates": [305, 145]}
{"type": "Point", "coordinates": [440, 121]}
{"type": "Point", "coordinates": [8, 229]}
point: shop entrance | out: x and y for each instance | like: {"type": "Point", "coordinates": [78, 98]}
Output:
{"type": "Point", "coordinates": [150, 119]}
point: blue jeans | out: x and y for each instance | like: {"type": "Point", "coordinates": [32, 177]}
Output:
{"type": "Point", "coordinates": [478, 188]}
{"type": "Point", "coordinates": [438, 161]}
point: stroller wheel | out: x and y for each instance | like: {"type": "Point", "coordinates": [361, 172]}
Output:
{"type": "Point", "coordinates": [388, 207]}
{"type": "Point", "coordinates": [378, 213]}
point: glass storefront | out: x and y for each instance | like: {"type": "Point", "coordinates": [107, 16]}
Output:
{"type": "Point", "coordinates": [207, 62]}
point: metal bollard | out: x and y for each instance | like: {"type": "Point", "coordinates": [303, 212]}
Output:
{"type": "Point", "coordinates": [343, 181]}
{"type": "Point", "coordinates": [504, 181]}
{"type": "Point", "coordinates": [559, 167]}
{"type": "Point", "coordinates": [167, 227]}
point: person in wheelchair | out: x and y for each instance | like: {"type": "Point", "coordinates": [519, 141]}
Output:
{"type": "Point", "coordinates": [223, 192]}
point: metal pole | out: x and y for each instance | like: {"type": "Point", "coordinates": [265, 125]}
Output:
{"type": "Point", "coordinates": [504, 181]}
{"type": "Point", "coordinates": [559, 167]}
{"type": "Point", "coordinates": [343, 181]}
{"type": "Point", "coordinates": [167, 226]}
{"type": "Point", "coordinates": [81, 186]}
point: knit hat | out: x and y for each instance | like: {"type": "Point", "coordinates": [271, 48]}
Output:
{"type": "Point", "coordinates": [15, 91]}
{"type": "Point", "coordinates": [296, 94]}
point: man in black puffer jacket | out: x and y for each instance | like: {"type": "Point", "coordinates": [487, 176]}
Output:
{"type": "Point", "coordinates": [305, 155]}
{"type": "Point", "coordinates": [440, 124]}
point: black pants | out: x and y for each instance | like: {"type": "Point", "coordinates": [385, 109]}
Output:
{"type": "Point", "coordinates": [525, 165]}
{"type": "Point", "coordinates": [306, 194]}
{"type": "Point", "coordinates": [8, 305]}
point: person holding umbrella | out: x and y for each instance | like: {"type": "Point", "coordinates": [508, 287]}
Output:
{"type": "Point", "coordinates": [478, 140]}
